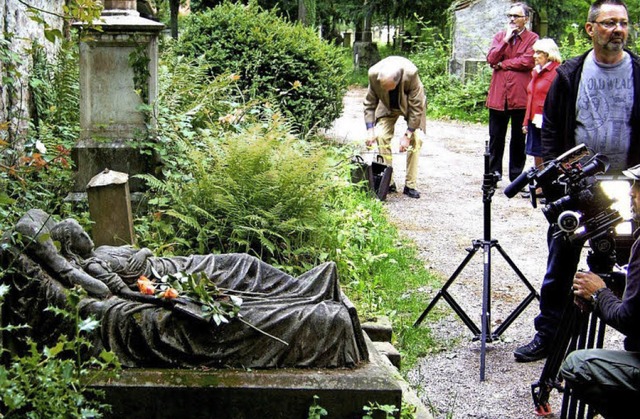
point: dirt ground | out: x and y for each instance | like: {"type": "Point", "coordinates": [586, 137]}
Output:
{"type": "Point", "coordinates": [444, 223]}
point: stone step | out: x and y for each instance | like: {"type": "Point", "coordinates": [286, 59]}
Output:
{"type": "Point", "coordinates": [388, 350]}
{"type": "Point", "coordinates": [378, 329]}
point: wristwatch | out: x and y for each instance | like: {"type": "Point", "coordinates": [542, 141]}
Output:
{"type": "Point", "coordinates": [595, 296]}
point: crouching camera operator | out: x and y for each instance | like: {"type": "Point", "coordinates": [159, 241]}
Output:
{"type": "Point", "coordinates": [607, 379]}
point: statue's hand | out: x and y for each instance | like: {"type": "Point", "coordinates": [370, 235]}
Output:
{"type": "Point", "coordinates": [137, 260]}
{"type": "Point", "coordinates": [94, 287]}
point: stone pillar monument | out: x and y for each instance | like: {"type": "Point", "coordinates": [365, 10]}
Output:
{"type": "Point", "coordinates": [118, 74]}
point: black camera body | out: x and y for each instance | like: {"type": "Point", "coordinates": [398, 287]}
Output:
{"type": "Point", "coordinates": [576, 201]}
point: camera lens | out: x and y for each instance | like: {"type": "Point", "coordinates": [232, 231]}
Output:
{"type": "Point", "coordinates": [569, 221]}
{"type": "Point", "coordinates": [553, 210]}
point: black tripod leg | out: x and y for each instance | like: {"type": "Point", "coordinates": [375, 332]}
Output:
{"type": "Point", "coordinates": [572, 408]}
{"type": "Point", "coordinates": [486, 306]}
{"type": "Point", "coordinates": [443, 293]}
{"type": "Point", "coordinates": [533, 294]}
{"type": "Point", "coordinates": [563, 342]}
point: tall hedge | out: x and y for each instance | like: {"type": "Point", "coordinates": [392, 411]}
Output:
{"type": "Point", "coordinates": [286, 63]}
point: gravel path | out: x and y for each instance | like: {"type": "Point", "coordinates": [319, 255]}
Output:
{"type": "Point", "coordinates": [443, 223]}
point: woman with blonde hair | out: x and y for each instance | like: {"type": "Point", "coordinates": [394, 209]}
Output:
{"type": "Point", "coordinates": [547, 58]}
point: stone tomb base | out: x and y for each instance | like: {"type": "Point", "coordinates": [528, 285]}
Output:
{"type": "Point", "coordinates": [239, 394]}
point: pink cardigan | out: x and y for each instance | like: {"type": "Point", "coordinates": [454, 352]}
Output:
{"type": "Point", "coordinates": [537, 90]}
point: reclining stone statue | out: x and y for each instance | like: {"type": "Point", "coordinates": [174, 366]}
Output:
{"type": "Point", "coordinates": [313, 323]}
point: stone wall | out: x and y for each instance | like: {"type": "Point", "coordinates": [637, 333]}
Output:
{"type": "Point", "coordinates": [475, 22]}
{"type": "Point", "coordinates": [14, 104]}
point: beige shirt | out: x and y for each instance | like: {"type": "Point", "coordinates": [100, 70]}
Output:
{"type": "Point", "coordinates": [411, 96]}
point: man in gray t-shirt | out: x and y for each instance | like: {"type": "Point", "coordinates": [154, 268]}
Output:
{"type": "Point", "coordinates": [595, 100]}
{"type": "Point", "coordinates": [603, 109]}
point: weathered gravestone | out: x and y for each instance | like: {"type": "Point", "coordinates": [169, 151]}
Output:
{"type": "Point", "coordinates": [118, 75]}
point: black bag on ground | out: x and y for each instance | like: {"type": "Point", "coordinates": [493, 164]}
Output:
{"type": "Point", "coordinates": [360, 172]}
{"type": "Point", "coordinates": [375, 176]}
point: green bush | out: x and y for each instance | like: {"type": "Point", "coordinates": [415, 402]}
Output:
{"type": "Point", "coordinates": [285, 63]}
{"type": "Point", "coordinates": [35, 163]}
{"type": "Point", "coordinates": [259, 191]}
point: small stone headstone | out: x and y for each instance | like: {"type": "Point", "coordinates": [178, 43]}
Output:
{"type": "Point", "coordinates": [110, 208]}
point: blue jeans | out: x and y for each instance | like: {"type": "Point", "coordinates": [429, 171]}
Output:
{"type": "Point", "coordinates": [555, 293]}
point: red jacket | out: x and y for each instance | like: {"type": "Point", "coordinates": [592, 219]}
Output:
{"type": "Point", "coordinates": [509, 82]}
{"type": "Point", "coordinates": [537, 90]}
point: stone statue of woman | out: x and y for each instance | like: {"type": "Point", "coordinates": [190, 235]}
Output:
{"type": "Point", "coordinates": [315, 324]}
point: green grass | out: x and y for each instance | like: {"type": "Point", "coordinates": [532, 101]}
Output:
{"type": "Point", "coordinates": [381, 272]}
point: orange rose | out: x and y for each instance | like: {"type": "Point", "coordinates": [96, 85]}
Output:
{"type": "Point", "coordinates": [146, 286]}
{"type": "Point", "coordinates": [169, 293]}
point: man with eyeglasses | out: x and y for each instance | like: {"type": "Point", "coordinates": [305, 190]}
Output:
{"type": "Point", "coordinates": [594, 100]}
{"type": "Point", "coordinates": [511, 57]}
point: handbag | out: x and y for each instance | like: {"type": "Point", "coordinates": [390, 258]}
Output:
{"type": "Point", "coordinates": [374, 176]}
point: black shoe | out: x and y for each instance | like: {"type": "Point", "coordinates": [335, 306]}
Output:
{"type": "Point", "coordinates": [411, 193]}
{"type": "Point", "coordinates": [532, 351]}
{"type": "Point", "coordinates": [393, 188]}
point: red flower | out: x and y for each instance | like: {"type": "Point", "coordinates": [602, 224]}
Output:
{"type": "Point", "coordinates": [169, 293]}
{"type": "Point", "coordinates": [146, 286]}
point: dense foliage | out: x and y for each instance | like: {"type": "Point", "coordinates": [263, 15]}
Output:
{"type": "Point", "coordinates": [562, 15]}
{"type": "Point", "coordinates": [54, 381]}
{"type": "Point", "coordinates": [285, 63]}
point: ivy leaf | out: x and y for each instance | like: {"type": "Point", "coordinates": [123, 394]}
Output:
{"type": "Point", "coordinates": [52, 34]}
{"type": "Point", "coordinates": [108, 356]}
{"type": "Point", "coordinates": [53, 351]}
{"type": "Point", "coordinates": [6, 200]}
{"type": "Point", "coordinates": [88, 325]}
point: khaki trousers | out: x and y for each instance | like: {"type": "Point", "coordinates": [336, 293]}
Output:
{"type": "Point", "coordinates": [386, 126]}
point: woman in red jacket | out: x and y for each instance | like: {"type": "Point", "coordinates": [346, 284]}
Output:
{"type": "Point", "coordinates": [547, 58]}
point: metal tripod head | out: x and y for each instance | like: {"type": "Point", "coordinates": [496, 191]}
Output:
{"type": "Point", "coordinates": [489, 179]}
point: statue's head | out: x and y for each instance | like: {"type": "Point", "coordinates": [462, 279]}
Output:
{"type": "Point", "coordinates": [74, 241]}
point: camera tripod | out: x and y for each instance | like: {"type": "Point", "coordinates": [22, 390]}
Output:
{"type": "Point", "coordinates": [484, 333]}
{"type": "Point", "coordinates": [581, 329]}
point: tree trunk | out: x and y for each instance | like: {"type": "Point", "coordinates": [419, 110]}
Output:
{"type": "Point", "coordinates": [174, 5]}
{"type": "Point", "coordinates": [302, 12]}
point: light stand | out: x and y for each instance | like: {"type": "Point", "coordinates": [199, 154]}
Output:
{"type": "Point", "coordinates": [484, 334]}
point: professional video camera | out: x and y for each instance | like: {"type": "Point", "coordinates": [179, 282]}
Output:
{"type": "Point", "coordinates": [576, 202]}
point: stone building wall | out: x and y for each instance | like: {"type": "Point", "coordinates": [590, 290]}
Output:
{"type": "Point", "coordinates": [474, 24]}
{"type": "Point", "coordinates": [24, 32]}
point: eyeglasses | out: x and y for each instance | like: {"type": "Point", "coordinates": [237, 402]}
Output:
{"type": "Point", "coordinates": [610, 24]}
{"type": "Point", "coordinates": [514, 16]}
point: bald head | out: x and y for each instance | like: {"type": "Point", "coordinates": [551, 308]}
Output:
{"type": "Point", "coordinates": [389, 76]}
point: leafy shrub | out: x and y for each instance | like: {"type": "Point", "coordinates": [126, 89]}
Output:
{"type": "Point", "coordinates": [35, 164]}
{"type": "Point", "coordinates": [55, 90]}
{"type": "Point", "coordinates": [285, 63]}
{"type": "Point", "coordinates": [233, 178]}
{"type": "Point", "coordinates": [257, 191]}
{"type": "Point", "coordinates": [54, 382]}
{"type": "Point", "coordinates": [575, 42]}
